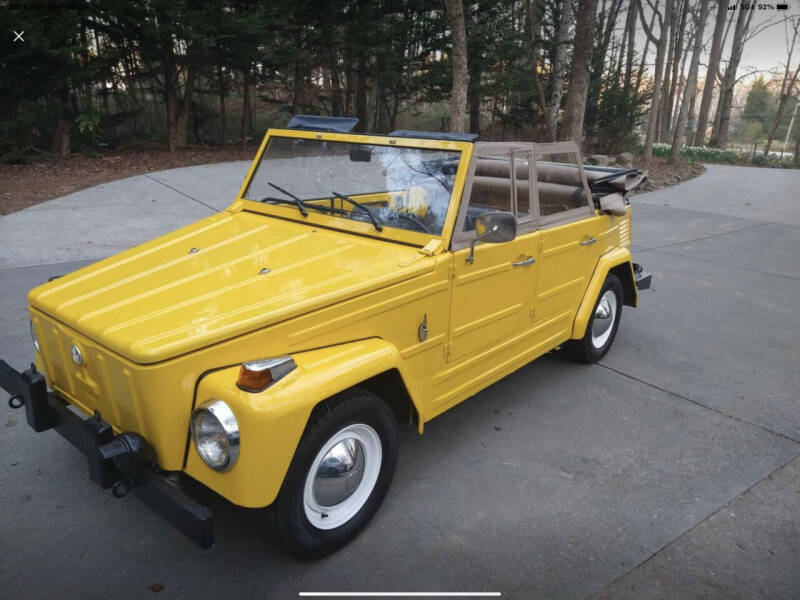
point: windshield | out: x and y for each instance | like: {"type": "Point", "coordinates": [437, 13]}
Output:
{"type": "Point", "coordinates": [388, 186]}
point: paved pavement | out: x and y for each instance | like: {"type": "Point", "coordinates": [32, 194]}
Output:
{"type": "Point", "coordinates": [670, 470]}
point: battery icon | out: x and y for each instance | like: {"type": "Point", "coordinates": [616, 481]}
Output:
{"type": "Point", "coordinates": [782, 6]}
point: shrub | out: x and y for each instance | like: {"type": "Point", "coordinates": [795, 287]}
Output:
{"type": "Point", "coordinates": [717, 155]}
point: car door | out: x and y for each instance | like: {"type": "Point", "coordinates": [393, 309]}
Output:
{"type": "Point", "coordinates": [570, 229]}
{"type": "Point", "coordinates": [491, 294]}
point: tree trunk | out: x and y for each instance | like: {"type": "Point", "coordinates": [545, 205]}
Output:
{"type": "Point", "coordinates": [222, 116]}
{"type": "Point", "coordinates": [362, 107]}
{"type": "Point", "coordinates": [474, 102]}
{"type": "Point", "coordinates": [185, 103]}
{"type": "Point", "coordinates": [559, 65]}
{"type": "Point", "coordinates": [61, 138]}
{"type": "Point", "coordinates": [458, 98]}
{"type": "Point", "coordinates": [669, 106]}
{"type": "Point", "coordinates": [681, 87]}
{"type": "Point", "coordinates": [170, 90]}
{"type": "Point", "coordinates": [661, 50]}
{"type": "Point", "coordinates": [245, 108]}
{"type": "Point", "coordinates": [606, 22]}
{"type": "Point", "coordinates": [711, 75]}
{"type": "Point", "coordinates": [787, 85]}
{"type": "Point", "coordinates": [535, 10]}
{"type": "Point", "coordinates": [664, 90]}
{"type": "Point", "coordinates": [575, 107]}
{"type": "Point", "coordinates": [781, 106]}
{"type": "Point", "coordinates": [719, 137]}
{"type": "Point", "coordinates": [691, 83]}
{"type": "Point", "coordinates": [336, 85]}
{"type": "Point", "coordinates": [643, 59]}
{"type": "Point", "coordinates": [630, 32]}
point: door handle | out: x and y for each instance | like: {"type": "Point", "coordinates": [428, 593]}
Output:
{"type": "Point", "coordinates": [588, 242]}
{"type": "Point", "coordinates": [524, 263]}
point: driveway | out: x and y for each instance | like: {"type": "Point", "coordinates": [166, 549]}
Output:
{"type": "Point", "coordinates": [669, 470]}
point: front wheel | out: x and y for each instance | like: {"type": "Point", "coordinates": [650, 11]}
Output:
{"type": "Point", "coordinates": [602, 327]}
{"type": "Point", "coordinates": [339, 475]}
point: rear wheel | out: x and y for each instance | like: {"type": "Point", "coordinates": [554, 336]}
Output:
{"type": "Point", "coordinates": [602, 327]}
{"type": "Point", "coordinates": [339, 475]}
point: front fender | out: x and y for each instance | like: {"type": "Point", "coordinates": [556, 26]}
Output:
{"type": "Point", "coordinates": [616, 259]}
{"type": "Point", "coordinates": [271, 422]}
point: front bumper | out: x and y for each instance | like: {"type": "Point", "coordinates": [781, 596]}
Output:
{"type": "Point", "coordinates": [46, 410]}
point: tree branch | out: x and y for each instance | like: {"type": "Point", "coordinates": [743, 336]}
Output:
{"type": "Point", "coordinates": [646, 28]}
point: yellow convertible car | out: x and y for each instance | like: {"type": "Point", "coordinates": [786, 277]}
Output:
{"type": "Point", "coordinates": [356, 282]}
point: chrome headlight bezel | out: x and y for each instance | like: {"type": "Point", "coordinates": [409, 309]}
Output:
{"type": "Point", "coordinates": [225, 421]}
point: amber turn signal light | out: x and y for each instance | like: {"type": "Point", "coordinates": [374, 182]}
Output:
{"type": "Point", "coordinates": [257, 375]}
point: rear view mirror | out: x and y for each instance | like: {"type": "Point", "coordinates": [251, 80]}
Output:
{"type": "Point", "coordinates": [360, 155]}
{"type": "Point", "coordinates": [494, 228]}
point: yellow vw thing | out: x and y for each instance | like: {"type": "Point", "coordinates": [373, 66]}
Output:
{"type": "Point", "coordinates": [356, 282]}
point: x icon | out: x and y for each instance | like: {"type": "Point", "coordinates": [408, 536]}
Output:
{"type": "Point", "coordinates": [18, 36]}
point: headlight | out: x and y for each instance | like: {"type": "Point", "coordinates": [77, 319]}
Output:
{"type": "Point", "coordinates": [215, 434]}
{"type": "Point", "coordinates": [33, 337]}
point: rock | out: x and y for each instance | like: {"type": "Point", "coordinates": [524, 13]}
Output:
{"type": "Point", "coordinates": [601, 160]}
{"type": "Point", "coordinates": [625, 159]}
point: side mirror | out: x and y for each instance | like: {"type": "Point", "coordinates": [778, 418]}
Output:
{"type": "Point", "coordinates": [494, 228]}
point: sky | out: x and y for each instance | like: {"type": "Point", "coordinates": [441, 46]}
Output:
{"type": "Point", "coordinates": [767, 51]}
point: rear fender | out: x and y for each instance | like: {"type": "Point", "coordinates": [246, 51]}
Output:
{"type": "Point", "coordinates": [271, 422]}
{"type": "Point", "coordinates": [617, 261]}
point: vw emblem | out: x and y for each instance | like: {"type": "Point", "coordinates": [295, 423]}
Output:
{"type": "Point", "coordinates": [76, 355]}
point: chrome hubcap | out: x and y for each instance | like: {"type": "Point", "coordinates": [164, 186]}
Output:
{"type": "Point", "coordinates": [342, 476]}
{"type": "Point", "coordinates": [339, 473]}
{"type": "Point", "coordinates": [604, 317]}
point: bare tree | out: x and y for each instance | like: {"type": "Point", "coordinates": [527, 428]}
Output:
{"type": "Point", "coordinates": [630, 33]}
{"type": "Point", "coordinates": [719, 136]}
{"type": "Point", "coordinates": [711, 74]}
{"type": "Point", "coordinates": [575, 108]}
{"type": "Point", "coordinates": [458, 99]}
{"type": "Point", "coordinates": [787, 85]}
{"type": "Point", "coordinates": [535, 9]}
{"type": "Point", "coordinates": [676, 26]}
{"type": "Point", "coordinates": [558, 72]}
{"type": "Point", "coordinates": [629, 40]}
{"type": "Point", "coordinates": [681, 87]}
{"type": "Point", "coordinates": [643, 60]}
{"type": "Point", "coordinates": [691, 83]}
{"type": "Point", "coordinates": [661, 48]}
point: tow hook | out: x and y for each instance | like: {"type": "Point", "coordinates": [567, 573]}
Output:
{"type": "Point", "coordinates": [123, 486]}
{"type": "Point", "coordinates": [131, 454]}
{"type": "Point", "coordinates": [16, 402]}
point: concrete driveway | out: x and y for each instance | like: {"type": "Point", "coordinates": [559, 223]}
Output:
{"type": "Point", "coordinates": [670, 470]}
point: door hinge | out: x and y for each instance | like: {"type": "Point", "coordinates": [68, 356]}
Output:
{"type": "Point", "coordinates": [532, 314]}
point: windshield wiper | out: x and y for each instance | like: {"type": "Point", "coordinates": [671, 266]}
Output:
{"type": "Point", "coordinates": [372, 218]}
{"type": "Point", "coordinates": [300, 206]}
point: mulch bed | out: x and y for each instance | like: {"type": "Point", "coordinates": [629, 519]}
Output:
{"type": "Point", "coordinates": [25, 185]}
{"type": "Point", "coordinates": [660, 174]}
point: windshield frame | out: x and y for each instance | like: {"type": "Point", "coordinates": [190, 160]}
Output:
{"type": "Point", "coordinates": [353, 226]}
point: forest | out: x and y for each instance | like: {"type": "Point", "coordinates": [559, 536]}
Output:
{"type": "Point", "coordinates": [654, 76]}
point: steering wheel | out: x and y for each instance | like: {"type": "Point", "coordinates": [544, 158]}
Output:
{"type": "Point", "coordinates": [419, 224]}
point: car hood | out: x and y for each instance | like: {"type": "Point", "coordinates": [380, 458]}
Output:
{"type": "Point", "coordinates": [219, 278]}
